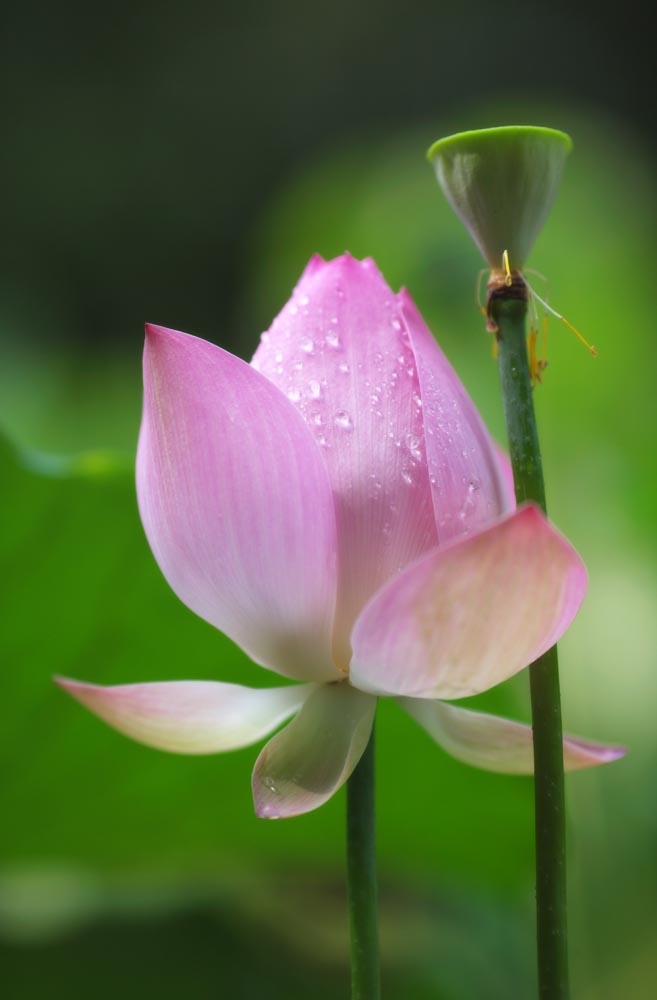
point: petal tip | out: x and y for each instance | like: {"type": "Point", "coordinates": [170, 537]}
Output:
{"type": "Point", "coordinates": [69, 685]}
{"type": "Point", "coordinates": [315, 264]}
{"type": "Point", "coordinates": [582, 754]}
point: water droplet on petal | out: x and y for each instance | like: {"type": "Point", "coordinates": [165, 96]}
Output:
{"type": "Point", "coordinates": [333, 340]}
{"type": "Point", "coordinates": [294, 395]}
{"type": "Point", "coordinates": [413, 445]}
{"type": "Point", "coordinates": [395, 324]}
{"type": "Point", "coordinates": [307, 345]}
{"type": "Point", "coordinates": [343, 367]}
{"type": "Point", "coordinates": [304, 300]}
{"type": "Point", "coordinates": [343, 420]}
{"type": "Point", "coordinates": [407, 477]}
{"type": "Point", "coordinates": [315, 389]}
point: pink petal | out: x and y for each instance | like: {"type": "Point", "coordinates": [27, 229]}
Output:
{"type": "Point", "coordinates": [496, 744]}
{"type": "Point", "coordinates": [190, 716]}
{"type": "Point", "coordinates": [306, 763]}
{"type": "Point", "coordinates": [506, 469]}
{"type": "Point", "coordinates": [468, 483]}
{"type": "Point", "coordinates": [465, 617]}
{"type": "Point", "coordinates": [236, 504]}
{"type": "Point", "coordinates": [340, 351]}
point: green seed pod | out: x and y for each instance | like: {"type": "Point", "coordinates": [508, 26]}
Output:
{"type": "Point", "coordinates": [501, 182]}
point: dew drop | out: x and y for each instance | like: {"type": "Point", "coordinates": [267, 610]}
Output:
{"type": "Point", "coordinates": [413, 445]}
{"type": "Point", "coordinates": [395, 324]}
{"type": "Point", "coordinates": [294, 395]}
{"type": "Point", "coordinates": [407, 477]}
{"type": "Point", "coordinates": [307, 345]}
{"type": "Point", "coordinates": [343, 367]}
{"type": "Point", "coordinates": [333, 340]}
{"type": "Point", "coordinates": [315, 389]}
{"type": "Point", "coordinates": [304, 300]}
{"type": "Point", "coordinates": [343, 420]}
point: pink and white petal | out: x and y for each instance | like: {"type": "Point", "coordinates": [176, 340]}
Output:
{"type": "Point", "coordinates": [470, 615]}
{"type": "Point", "coordinates": [468, 486]}
{"type": "Point", "coordinates": [506, 469]}
{"type": "Point", "coordinates": [496, 744]}
{"type": "Point", "coordinates": [340, 352]}
{"type": "Point", "coordinates": [236, 504]}
{"type": "Point", "coordinates": [190, 717]}
{"type": "Point", "coordinates": [309, 760]}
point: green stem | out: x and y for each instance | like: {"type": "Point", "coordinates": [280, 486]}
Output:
{"type": "Point", "coordinates": [361, 879]}
{"type": "Point", "coordinates": [510, 317]}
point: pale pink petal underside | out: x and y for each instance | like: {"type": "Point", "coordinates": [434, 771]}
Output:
{"type": "Point", "coordinates": [468, 485]}
{"type": "Point", "coordinates": [340, 351]}
{"type": "Point", "coordinates": [466, 617]}
{"type": "Point", "coordinates": [236, 504]}
{"type": "Point", "coordinates": [506, 469]}
{"type": "Point", "coordinates": [309, 760]}
{"type": "Point", "coordinates": [190, 717]}
{"type": "Point", "coordinates": [496, 744]}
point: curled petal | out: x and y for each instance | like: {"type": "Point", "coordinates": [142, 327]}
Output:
{"type": "Point", "coordinates": [469, 487]}
{"type": "Point", "coordinates": [190, 717]}
{"type": "Point", "coordinates": [340, 351]}
{"type": "Point", "coordinates": [467, 616]}
{"type": "Point", "coordinates": [236, 504]}
{"type": "Point", "coordinates": [306, 763]}
{"type": "Point", "coordinates": [496, 744]}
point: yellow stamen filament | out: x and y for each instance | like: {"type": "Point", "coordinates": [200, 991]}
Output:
{"type": "Point", "coordinates": [543, 362]}
{"type": "Point", "coordinates": [570, 326]}
{"type": "Point", "coordinates": [507, 268]}
{"type": "Point", "coordinates": [534, 363]}
{"type": "Point", "coordinates": [480, 306]}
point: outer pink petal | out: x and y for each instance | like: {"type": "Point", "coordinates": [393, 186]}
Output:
{"type": "Point", "coordinates": [236, 504]}
{"type": "Point", "coordinates": [468, 485]}
{"type": "Point", "coordinates": [340, 351]}
{"type": "Point", "coordinates": [466, 617]}
{"type": "Point", "coordinates": [506, 469]}
{"type": "Point", "coordinates": [306, 763]}
{"type": "Point", "coordinates": [191, 717]}
{"type": "Point", "coordinates": [496, 744]}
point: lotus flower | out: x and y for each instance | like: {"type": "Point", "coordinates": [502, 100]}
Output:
{"type": "Point", "coordinates": [339, 510]}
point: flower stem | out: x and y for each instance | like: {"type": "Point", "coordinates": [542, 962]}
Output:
{"type": "Point", "coordinates": [508, 310]}
{"type": "Point", "coordinates": [361, 879]}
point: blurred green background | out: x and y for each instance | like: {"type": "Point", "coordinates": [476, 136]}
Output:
{"type": "Point", "coordinates": [179, 164]}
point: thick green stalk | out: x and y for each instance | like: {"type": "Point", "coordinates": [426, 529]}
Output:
{"type": "Point", "coordinates": [361, 879]}
{"type": "Point", "coordinates": [509, 313]}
